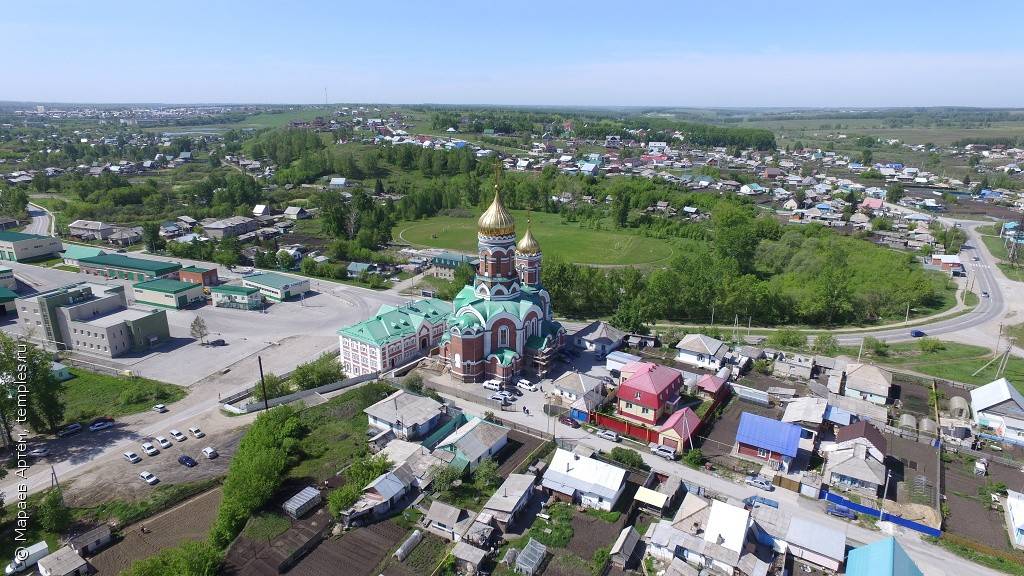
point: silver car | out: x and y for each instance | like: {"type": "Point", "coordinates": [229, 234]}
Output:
{"type": "Point", "coordinates": [608, 435]}
{"type": "Point", "coordinates": [760, 482]}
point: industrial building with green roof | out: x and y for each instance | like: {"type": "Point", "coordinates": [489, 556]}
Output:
{"type": "Point", "coordinates": [168, 293]}
{"type": "Point", "coordinates": [277, 286]}
{"type": "Point", "coordinates": [126, 267]}
{"type": "Point", "coordinates": [395, 336]}
{"type": "Point", "coordinates": [240, 297]}
{"type": "Point", "coordinates": [21, 247]}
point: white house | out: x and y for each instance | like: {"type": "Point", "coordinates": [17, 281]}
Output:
{"type": "Point", "coordinates": [407, 415]}
{"type": "Point", "coordinates": [999, 407]}
{"type": "Point", "coordinates": [868, 382]}
{"type": "Point", "coordinates": [574, 385]}
{"type": "Point", "coordinates": [588, 482]}
{"type": "Point", "coordinates": [1015, 517]}
{"type": "Point", "coordinates": [512, 496]}
{"type": "Point", "coordinates": [701, 351]}
{"type": "Point", "coordinates": [599, 337]}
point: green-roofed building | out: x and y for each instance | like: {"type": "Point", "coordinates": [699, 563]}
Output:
{"type": "Point", "coordinates": [7, 304]}
{"type": "Point", "coordinates": [277, 287]}
{"type": "Point", "coordinates": [7, 279]}
{"type": "Point", "coordinates": [21, 247]}
{"type": "Point", "coordinates": [395, 336]}
{"type": "Point", "coordinates": [168, 293]}
{"type": "Point", "coordinates": [127, 268]}
{"type": "Point", "coordinates": [75, 252]}
{"type": "Point", "coordinates": [240, 297]}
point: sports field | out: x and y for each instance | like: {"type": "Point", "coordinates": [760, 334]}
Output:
{"type": "Point", "coordinates": [569, 241]}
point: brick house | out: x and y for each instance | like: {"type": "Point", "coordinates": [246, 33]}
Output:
{"type": "Point", "coordinates": [649, 392]}
{"type": "Point", "coordinates": [763, 439]}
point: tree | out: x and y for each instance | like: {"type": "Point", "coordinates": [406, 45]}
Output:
{"type": "Point", "coordinates": [198, 329]}
{"type": "Point", "coordinates": [191, 558]}
{"type": "Point", "coordinates": [228, 253]}
{"type": "Point", "coordinates": [53, 515]}
{"type": "Point", "coordinates": [866, 156]}
{"type": "Point", "coordinates": [44, 406]}
{"type": "Point", "coordinates": [876, 346]}
{"type": "Point", "coordinates": [308, 267]}
{"type": "Point", "coordinates": [274, 385]}
{"type": "Point", "coordinates": [694, 458]}
{"type": "Point", "coordinates": [486, 475]}
{"type": "Point", "coordinates": [894, 193]}
{"type": "Point", "coordinates": [324, 370]}
{"type": "Point", "coordinates": [788, 338]}
{"type": "Point", "coordinates": [285, 260]}
{"type": "Point", "coordinates": [826, 344]}
{"type": "Point", "coordinates": [630, 458]}
{"type": "Point", "coordinates": [444, 477]}
{"type": "Point", "coordinates": [151, 236]}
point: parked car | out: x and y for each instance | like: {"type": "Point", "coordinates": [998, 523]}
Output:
{"type": "Point", "coordinates": [195, 431]}
{"type": "Point", "coordinates": [569, 422]}
{"type": "Point", "coordinates": [841, 511]}
{"type": "Point", "coordinates": [210, 453]}
{"type": "Point", "coordinates": [132, 457]}
{"type": "Point", "coordinates": [69, 430]}
{"type": "Point", "coordinates": [101, 424]}
{"type": "Point", "coordinates": [510, 397]}
{"type": "Point", "coordinates": [527, 385]}
{"type": "Point", "coordinates": [608, 435]}
{"type": "Point", "coordinates": [492, 385]}
{"type": "Point", "coordinates": [163, 442]}
{"type": "Point", "coordinates": [39, 452]}
{"type": "Point", "coordinates": [160, 408]}
{"type": "Point", "coordinates": [178, 436]}
{"type": "Point", "coordinates": [149, 478]}
{"type": "Point", "coordinates": [662, 450]}
{"type": "Point", "coordinates": [514, 391]}
{"type": "Point", "coordinates": [187, 461]}
{"type": "Point", "coordinates": [984, 294]}
{"type": "Point", "coordinates": [149, 449]}
{"type": "Point", "coordinates": [218, 342]}
{"type": "Point", "coordinates": [499, 397]}
{"type": "Point", "coordinates": [760, 482]}
{"type": "Point", "coordinates": [975, 258]}
{"type": "Point", "coordinates": [918, 333]}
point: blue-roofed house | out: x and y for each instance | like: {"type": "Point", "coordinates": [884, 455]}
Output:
{"type": "Point", "coordinates": [881, 558]}
{"type": "Point", "coordinates": [763, 439]}
{"type": "Point", "coordinates": [355, 269]}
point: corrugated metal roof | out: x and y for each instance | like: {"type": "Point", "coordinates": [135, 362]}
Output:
{"type": "Point", "coordinates": [769, 434]}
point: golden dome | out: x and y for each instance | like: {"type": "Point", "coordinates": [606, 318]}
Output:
{"type": "Point", "coordinates": [496, 221]}
{"type": "Point", "coordinates": [528, 244]}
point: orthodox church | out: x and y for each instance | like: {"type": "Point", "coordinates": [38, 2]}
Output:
{"type": "Point", "coordinates": [502, 326]}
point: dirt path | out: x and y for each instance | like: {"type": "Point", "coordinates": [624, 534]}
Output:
{"type": "Point", "coordinates": [190, 520]}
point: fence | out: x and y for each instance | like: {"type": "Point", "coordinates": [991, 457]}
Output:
{"type": "Point", "coordinates": [899, 521]}
{"type": "Point", "coordinates": [288, 398]}
{"type": "Point", "coordinates": [463, 394]}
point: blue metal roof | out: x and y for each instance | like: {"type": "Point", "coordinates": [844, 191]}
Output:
{"type": "Point", "coordinates": [881, 558]}
{"type": "Point", "coordinates": [760, 432]}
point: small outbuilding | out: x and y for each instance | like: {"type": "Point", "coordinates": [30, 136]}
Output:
{"type": "Point", "coordinates": [297, 506]}
{"type": "Point", "coordinates": [91, 542]}
{"type": "Point", "coordinates": [468, 557]}
{"type": "Point", "coordinates": [624, 550]}
{"type": "Point", "coordinates": [64, 562]}
{"type": "Point", "coordinates": [531, 558]}
{"type": "Point", "coordinates": [959, 407]}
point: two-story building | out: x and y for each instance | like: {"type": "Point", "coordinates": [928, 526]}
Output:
{"type": "Point", "coordinates": [650, 392]}
{"type": "Point", "coordinates": [394, 336]}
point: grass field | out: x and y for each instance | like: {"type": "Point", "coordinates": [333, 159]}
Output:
{"type": "Point", "coordinates": [567, 241]}
{"type": "Point", "coordinates": [954, 361]}
{"type": "Point", "coordinates": [89, 395]}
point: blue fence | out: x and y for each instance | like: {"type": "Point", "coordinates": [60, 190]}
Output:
{"type": "Point", "coordinates": [928, 530]}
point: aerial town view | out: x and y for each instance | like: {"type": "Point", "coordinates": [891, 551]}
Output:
{"type": "Point", "coordinates": [415, 289]}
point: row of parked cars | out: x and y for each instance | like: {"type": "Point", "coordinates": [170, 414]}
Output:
{"type": "Point", "coordinates": [508, 395]}
{"type": "Point", "coordinates": [185, 460]}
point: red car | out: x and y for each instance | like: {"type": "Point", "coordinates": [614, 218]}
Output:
{"type": "Point", "coordinates": [569, 422]}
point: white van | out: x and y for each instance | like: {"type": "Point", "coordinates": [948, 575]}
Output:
{"type": "Point", "coordinates": [492, 385]}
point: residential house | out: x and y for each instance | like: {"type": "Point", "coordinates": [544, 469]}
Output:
{"type": "Point", "coordinates": [575, 385]}
{"type": "Point", "coordinates": [598, 336]}
{"type": "Point", "coordinates": [788, 365]}
{"type": "Point", "coordinates": [262, 210]}
{"type": "Point", "coordinates": [296, 213]}
{"type": "Point", "coordinates": [650, 392]}
{"type": "Point", "coordinates": [585, 481]}
{"type": "Point", "coordinates": [816, 544]}
{"type": "Point", "coordinates": [857, 459]}
{"type": "Point", "coordinates": [701, 351]}
{"type": "Point", "coordinates": [379, 497]}
{"type": "Point", "coordinates": [230, 227]}
{"type": "Point", "coordinates": [881, 558]}
{"type": "Point", "coordinates": [712, 386]}
{"type": "Point", "coordinates": [763, 439]}
{"type": "Point", "coordinates": [809, 414]}
{"type": "Point", "coordinates": [999, 408]}
{"type": "Point", "coordinates": [443, 519]}
{"type": "Point", "coordinates": [127, 236]}
{"type": "Point", "coordinates": [509, 499]}
{"type": "Point", "coordinates": [337, 183]}
{"type": "Point", "coordinates": [472, 443]}
{"type": "Point", "coordinates": [868, 382]}
{"type": "Point", "coordinates": [90, 229]}
{"type": "Point", "coordinates": [444, 264]}
{"type": "Point", "coordinates": [408, 415]}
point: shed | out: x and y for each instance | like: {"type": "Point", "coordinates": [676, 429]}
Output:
{"type": "Point", "coordinates": [468, 557]}
{"type": "Point", "coordinates": [908, 422]}
{"type": "Point", "coordinates": [624, 550]}
{"type": "Point", "coordinates": [303, 502]}
{"type": "Point", "coordinates": [63, 562]}
{"type": "Point", "coordinates": [90, 542]}
{"type": "Point", "coordinates": [530, 559]}
{"type": "Point", "coordinates": [816, 543]}
{"type": "Point", "coordinates": [959, 407]}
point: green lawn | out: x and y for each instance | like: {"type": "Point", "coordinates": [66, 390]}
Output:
{"type": "Point", "coordinates": [995, 246]}
{"type": "Point", "coordinates": [266, 526]}
{"type": "Point", "coordinates": [954, 361]}
{"type": "Point", "coordinates": [568, 241]}
{"type": "Point", "coordinates": [90, 394]}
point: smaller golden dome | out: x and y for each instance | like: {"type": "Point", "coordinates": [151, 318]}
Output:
{"type": "Point", "coordinates": [496, 221]}
{"type": "Point", "coordinates": [528, 244]}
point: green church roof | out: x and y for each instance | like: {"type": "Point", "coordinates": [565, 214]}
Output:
{"type": "Point", "coordinates": [393, 323]}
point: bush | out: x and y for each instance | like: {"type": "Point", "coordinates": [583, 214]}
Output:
{"type": "Point", "coordinates": [763, 366]}
{"type": "Point", "coordinates": [694, 458]}
{"type": "Point", "coordinates": [876, 346]}
{"type": "Point", "coordinates": [413, 383]}
{"type": "Point", "coordinates": [930, 345]}
{"type": "Point", "coordinates": [826, 344]}
{"type": "Point", "coordinates": [627, 456]}
{"type": "Point", "coordinates": [358, 475]}
{"type": "Point", "coordinates": [324, 370]}
{"type": "Point", "coordinates": [788, 338]}
{"type": "Point", "coordinates": [53, 515]}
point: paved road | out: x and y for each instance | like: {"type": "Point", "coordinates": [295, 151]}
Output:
{"type": "Point", "coordinates": [932, 560]}
{"type": "Point", "coordinates": [41, 222]}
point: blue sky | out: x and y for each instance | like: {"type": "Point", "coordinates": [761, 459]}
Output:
{"type": "Point", "coordinates": [724, 53]}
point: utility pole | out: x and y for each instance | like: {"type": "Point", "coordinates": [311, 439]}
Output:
{"type": "Point", "coordinates": [908, 312]}
{"type": "Point", "coordinates": [885, 491]}
{"type": "Point", "coordinates": [263, 384]}
{"type": "Point", "coordinates": [861, 351]}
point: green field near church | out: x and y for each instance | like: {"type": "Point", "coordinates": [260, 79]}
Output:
{"type": "Point", "coordinates": [569, 241]}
